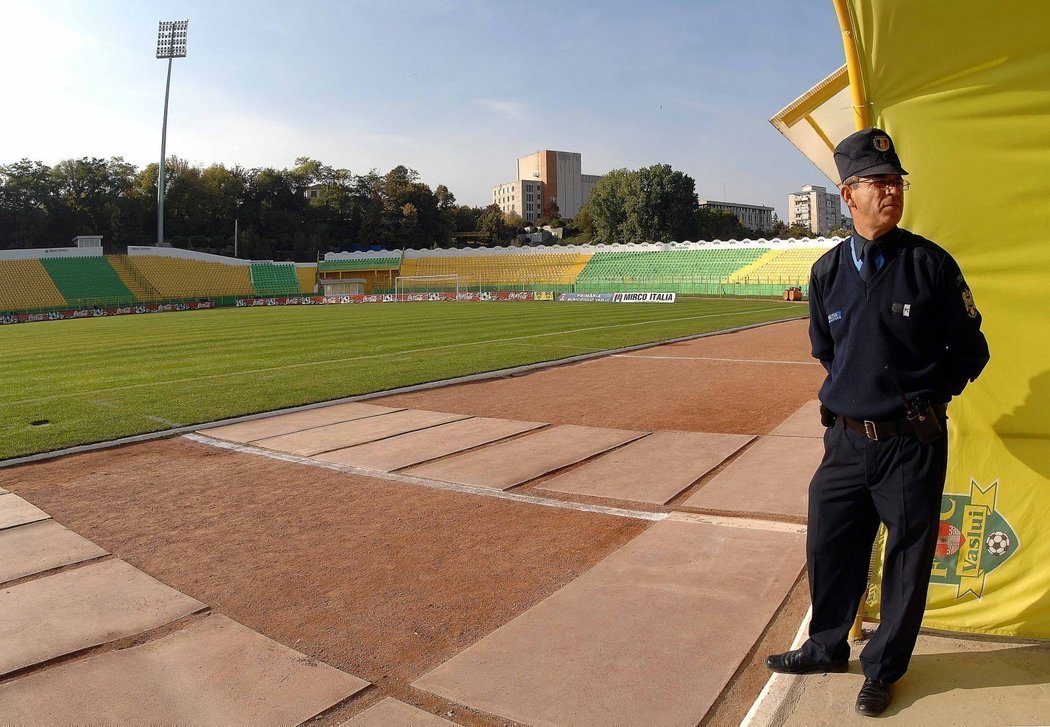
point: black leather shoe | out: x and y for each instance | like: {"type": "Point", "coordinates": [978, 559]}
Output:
{"type": "Point", "coordinates": [874, 697]}
{"type": "Point", "coordinates": [796, 662]}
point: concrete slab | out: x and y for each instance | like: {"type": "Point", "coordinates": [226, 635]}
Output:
{"type": "Point", "coordinates": [392, 713]}
{"type": "Point", "coordinates": [502, 466]}
{"type": "Point", "coordinates": [950, 681]}
{"type": "Point", "coordinates": [346, 434]}
{"type": "Point", "coordinates": [212, 672]}
{"type": "Point", "coordinates": [15, 511]}
{"type": "Point", "coordinates": [771, 477]}
{"type": "Point", "coordinates": [286, 423]}
{"type": "Point", "coordinates": [651, 635]}
{"type": "Point", "coordinates": [653, 469]}
{"type": "Point", "coordinates": [803, 423]}
{"type": "Point", "coordinates": [424, 445]}
{"type": "Point", "coordinates": [41, 546]}
{"type": "Point", "coordinates": [66, 612]}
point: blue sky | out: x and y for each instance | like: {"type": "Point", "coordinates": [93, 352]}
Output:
{"type": "Point", "coordinates": [456, 89]}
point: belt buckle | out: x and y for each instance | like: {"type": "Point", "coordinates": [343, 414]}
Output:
{"type": "Point", "coordinates": [870, 431]}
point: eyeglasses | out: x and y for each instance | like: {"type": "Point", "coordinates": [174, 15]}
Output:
{"type": "Point", "coordinates": [884, 183]}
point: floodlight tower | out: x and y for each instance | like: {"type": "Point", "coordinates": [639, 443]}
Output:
{"type": "Point", "coordinates": [171, 44]}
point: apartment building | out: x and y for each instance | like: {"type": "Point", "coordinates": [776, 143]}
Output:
{"type": "Point", "coordinates": [814, 208]}
{"type": "Point", "coordinates": [546, 175]}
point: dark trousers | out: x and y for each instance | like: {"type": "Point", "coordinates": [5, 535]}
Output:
{"type": "Point", "coordinates": [898, 481]}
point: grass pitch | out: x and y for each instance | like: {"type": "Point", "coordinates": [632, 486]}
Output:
{"type": "Point", "coordinates": [91, 380]}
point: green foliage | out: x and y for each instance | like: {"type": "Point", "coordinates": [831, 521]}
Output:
{"type": "Point", "coordinates": [651, 203]}
{"type": "Point", "coordinates": [493, 225]}
{"type": "Point", "coordinates": [115, 377]}
{"type": "Point", "coordinates": [43, 206]}
{"type": "Point", "coordinates": [721, 225]}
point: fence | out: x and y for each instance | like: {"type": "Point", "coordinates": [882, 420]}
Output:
{"type": "Point", "coordinates": [746, 287]}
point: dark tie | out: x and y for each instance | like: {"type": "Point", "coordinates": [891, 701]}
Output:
{"type": "Point", "coordinates": [867, 262]}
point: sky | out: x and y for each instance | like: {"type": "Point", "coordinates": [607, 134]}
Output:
{"type": "Point", "coordinates": [455, 89]}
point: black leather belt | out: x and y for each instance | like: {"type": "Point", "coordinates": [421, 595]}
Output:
{"type": "Point", "coordinates": [876, 431]}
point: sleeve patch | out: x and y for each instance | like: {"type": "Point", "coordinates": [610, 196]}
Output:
{"type": "Point", "coordinates": [967, 297]}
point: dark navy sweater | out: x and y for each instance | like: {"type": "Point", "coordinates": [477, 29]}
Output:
{"type": "Point", "coordinates": [914, 322]}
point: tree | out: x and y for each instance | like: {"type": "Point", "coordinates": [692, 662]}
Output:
{"type": "Point", "coordinates": [491, 224]}
{"type": "Point", "coordinates": [608, 205]}
{"type": "Point", "coordinates": [548, 211]}
{"type": "Point", "coordinates": [42, 206]}
{"type": "Point", "coordinates": [663, 206]}
{"type": "Point", "coordinates": [721, 225]}
{"type": "Point", "coordinates": [28, 204]}
{"type": "Point", "coordinates": [583, 224]}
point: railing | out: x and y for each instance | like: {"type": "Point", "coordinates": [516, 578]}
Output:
{"type": "Point", "coordinates": [758, 286]}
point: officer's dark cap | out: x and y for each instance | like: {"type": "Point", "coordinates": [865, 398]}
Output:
{"type": "Point", "coordinates": [865, 153]}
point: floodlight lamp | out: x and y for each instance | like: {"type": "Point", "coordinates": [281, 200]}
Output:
{"type": "Point", "coordinates": [171, 38]}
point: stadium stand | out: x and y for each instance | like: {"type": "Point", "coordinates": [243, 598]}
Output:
{"type": "Point", "coordinates": [682, 271]}
{"type": "Point", "coordinates": [87, 281]}
{"type": "Point", "coordinates": [789, 267]}
{"type": "Point", "coordinates": [25, 285]}
{"type": "Point", "coordinates": [375, 263]}
{"type": "Point", "coordinates": [138, 285]}
{"type": "Point", "coordinates": [175, 278]}
{"type": "Point", "coordinates": [370, 273]}
{"type": "Point", "coordinates": [529, 271]}
{"type": "Point", "coordinates": [307, 278]}
{"type": "Point", "coordinates": [274, 279]}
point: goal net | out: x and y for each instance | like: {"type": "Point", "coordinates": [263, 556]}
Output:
{"type": "Point", "coordinates": [405, 285]}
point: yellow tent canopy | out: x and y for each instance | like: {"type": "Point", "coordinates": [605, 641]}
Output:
{"type": "Point", "coordinates": [964, 89]}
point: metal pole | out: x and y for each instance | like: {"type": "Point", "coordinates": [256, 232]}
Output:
{"type": "Point", "coordinates": [235, 237]}
{"type": "Point", "coordinates": [160, 172]}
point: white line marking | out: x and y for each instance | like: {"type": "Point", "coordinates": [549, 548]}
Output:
{"type": "Point", "coordinates": [712, 358]}
{"type": "Point", "coordinates": [435, 484]}
{"type": "Point", "coordinates": [739, 522]}
{"type": "Point", "coordinates": [162, 420]}
{"type": "Point", "coordinates": [774, 696]}
{"type": "Point", "coordinates": [329, 362]}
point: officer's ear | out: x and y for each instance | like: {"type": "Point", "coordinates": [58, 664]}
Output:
{"type": "Point", "coordinates": [846, 192]}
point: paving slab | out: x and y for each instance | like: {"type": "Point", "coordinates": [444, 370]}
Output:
{"type": "Point", "coordinates": [15, 511]}
{"type": "Point", "coordinates": [950, 681]}
{"type": "Point", "coordinates": [424, 445]}
{"type": "Point", "coordinates": [41, 546]}
{"type": "Point", "coordinates": [649, 636]}
{"type": "Point", "coordinates": [346, 434]}
{"type": "Point", "coordinates": [212, 672]}
{"type": "Point", "coordinates": [771, 477]}
{"type": "Point", "coordinates": [296, 421]}
{"type": "Point", "coordinates": [504, 465]}
{"type": "Point", "coordinates": [392, 713]}
{"type": "Point", "coordinates": [803, 423]}
{"type": "Point", "coordinates": [66, 612]}
{"type": "Point", "coordinates": [653, 469]}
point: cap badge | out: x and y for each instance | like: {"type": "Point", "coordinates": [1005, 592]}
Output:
{"type": "Point", "coordinates": [882, 143]}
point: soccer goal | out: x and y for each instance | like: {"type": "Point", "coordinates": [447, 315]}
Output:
{"type": "Point", "coordinates": [405, 285]}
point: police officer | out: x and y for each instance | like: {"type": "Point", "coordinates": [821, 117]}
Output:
{"type": "Point", "coordinates": [894, 324]}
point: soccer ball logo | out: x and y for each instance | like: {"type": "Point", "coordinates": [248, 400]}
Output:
{"type": "Point", "coordinates": [998, 543]}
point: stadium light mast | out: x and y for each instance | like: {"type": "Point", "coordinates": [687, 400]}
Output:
{"type": "Point", "coordinates": [171, 44]}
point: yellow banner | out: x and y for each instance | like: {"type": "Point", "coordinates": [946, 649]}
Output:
{"type": "Point", "coordinates": [964, 89]}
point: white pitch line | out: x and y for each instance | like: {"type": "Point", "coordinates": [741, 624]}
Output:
{"type": "Point", "coordinates": [739, 522]}
{"type": "Point", "coordinates": [434, 484]}
{"type": "Point", "coordinates": [713, 358]}
{"type": "Point", "coordinates": [771, 701]}
{"type": "Point", "coordinates": [348, 359]}
{"type": "Point", "coordinates": [161, 420]}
